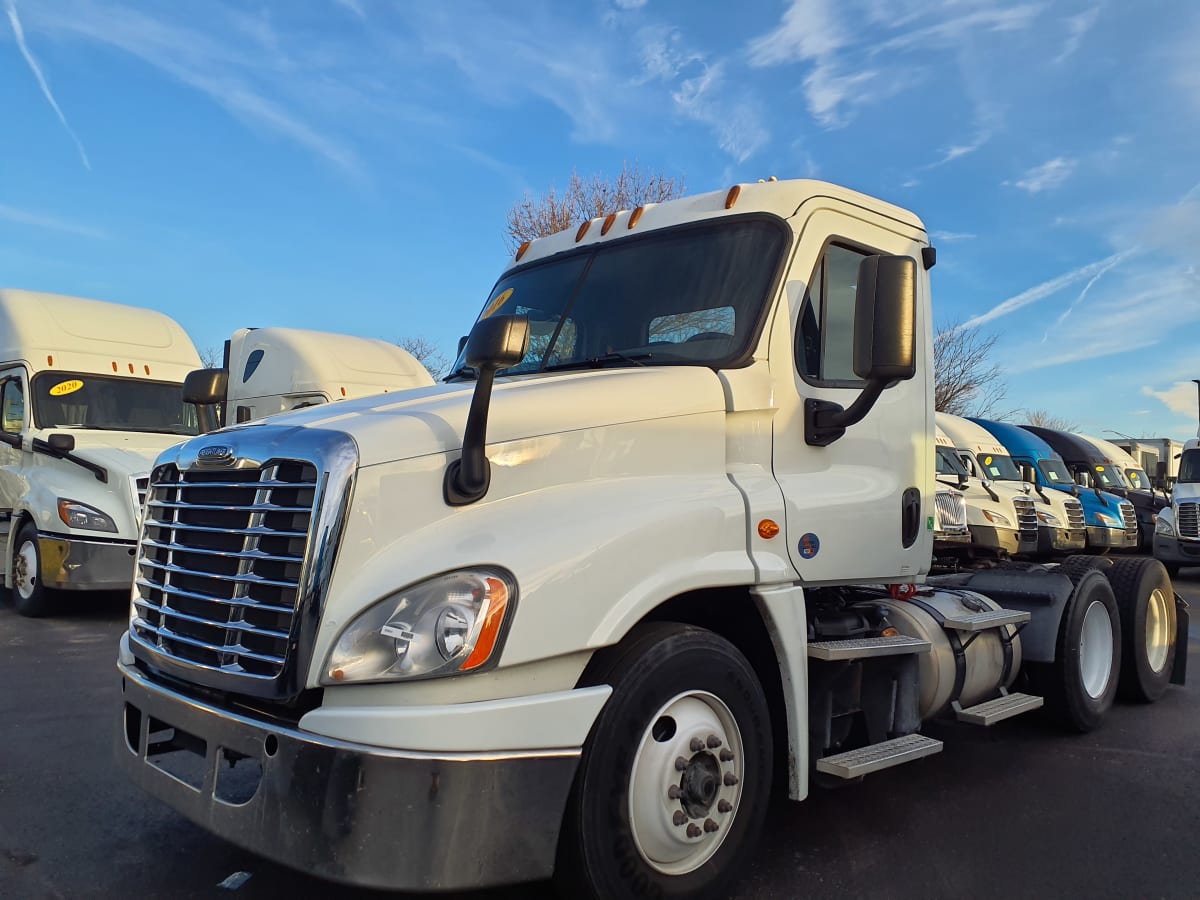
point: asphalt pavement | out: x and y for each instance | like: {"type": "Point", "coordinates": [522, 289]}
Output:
{"type": "Point", "coordinates": [1021, 809]}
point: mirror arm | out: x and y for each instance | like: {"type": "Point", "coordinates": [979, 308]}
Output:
{"type": "Point", "coordinates": [826, 421]}
{"type": "Point", "coordinates": [101, 473]}
{"type": "Point", "coordinates": [468, 478]}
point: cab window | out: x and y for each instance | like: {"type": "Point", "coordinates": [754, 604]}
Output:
{"type": "Point", "coordinates": [12, 406]}
{"type": "Point", "coordinates": [825, 338]}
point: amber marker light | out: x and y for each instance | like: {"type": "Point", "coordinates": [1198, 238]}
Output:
{"type": "Point", "coordinates": [343, 392]}
{"type": "Point", "coordinates": [493, 619]}
{"type": "Point", "coordinates": [49, 360]}
{"type": "Point", "coordinates": [636, 215]}
{"type": "Point", "coordinates": [582, 230]}
{"type": "Point", "coordinates": [889, 632]}
{"type": "Point", "coordinates": [521, 250]}
{"type": "Point", "coordinates": [608, 223]}
{"type": "Point", "coordinates": [147, 368]}
{"type": "Point", "coordinates": [731, 197]}
{"type": "Point", "coordinates": [768, 529]}
{"type": "Point", "coordinates": [131, 368]}
{"type": "Point", "coordinates": [114, 365]}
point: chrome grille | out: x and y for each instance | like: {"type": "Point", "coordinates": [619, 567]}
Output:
{"type": "Point", "coordinates": [1075, 518]}
{"type": "Point", "coordinates": [951, 511]}
{"type": "Point", "coordinates": [220, 563]}
{"type": "Point", "coordinates": [1187, 520]}
{"type": "Point", "coordinates": [1129, 515]}
{"type": "Point", "coordinates": [1027, 522]}
{"type": "Point", "coordinates": [138, 486]}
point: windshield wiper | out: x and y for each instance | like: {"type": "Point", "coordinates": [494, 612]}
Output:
{"type": "Point", "coordinates": [464, 372]}
{"type": "Point", "coordinates": [599, 362]}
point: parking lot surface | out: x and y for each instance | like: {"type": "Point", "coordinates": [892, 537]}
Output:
{"type": "Point", "coordinates": [1018, 810]}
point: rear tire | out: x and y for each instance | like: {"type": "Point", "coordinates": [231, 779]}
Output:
{"type": "Point", "coordinates": [29, 596]}
{"type": "Point", "coordinates": [1079, 686]}
{"type": "Point", "coordinates": [1147, 605]}
{"type": "Point", "coordinates": [637, 824]}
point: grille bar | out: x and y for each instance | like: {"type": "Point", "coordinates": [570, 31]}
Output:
{"type": "Point", "coordinates": [246, 507]}
{"type": "Point", "coordinates": [200, 620]}
{"type": "Point", "coordinates": [1027, 522]}
{"type": "Point", "coordinates": [166, 634]}
{"type": "Point", "coordinates": [1188, 521]}
{"type": "Point", "coordinates": [259, 530]}
{"type": "Point", "coordinates": [248, 578]}
{"type": "Point", "coordinates": [1075, 517]}
{"type": "Point", "coordinates": [247, 602]}
{"type": "Point", "coordinates": [227, 554]}
{"type": "Point", "coordinates": [1129, 515]}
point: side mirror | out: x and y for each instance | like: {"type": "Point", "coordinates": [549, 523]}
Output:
{"type": "Point", "coordinates": [204, 387]}
{"type": "Point", "coordinates": [885, 327]}
{"type": "Point", "coordinates": [494, 344]}
{"type": "Point", "coordinates": [462, 342]}
{"type": "Point", "coordinates": [1028, 475]}
{"type": "Point", "coordinates": [61, 443]}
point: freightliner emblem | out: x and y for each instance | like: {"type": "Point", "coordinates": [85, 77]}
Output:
{"type": "Point", "coordinates": [215, 453]}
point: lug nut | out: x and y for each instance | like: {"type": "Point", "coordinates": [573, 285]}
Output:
{"type": "Point", "coordinates": [693, 830]}
{"type": "Point", "coordinates": [726, 756]}
{"type": "Point", "coordinates": [674, 792]}
{"type": "Point", "coordinates": [713, 742]}
{"type": "Point", "coordinates": [724, 806]}
{"type": "Point", "coordinates": [680, 763]}
{"type": "Point", "coordinates": [710, 826]}
{"type": "Point", "coordinates": [730, 779]}
{"type": "Point", "coordinates": [697, 745]}
{"type": "Point", "coordinates": [680, 817]}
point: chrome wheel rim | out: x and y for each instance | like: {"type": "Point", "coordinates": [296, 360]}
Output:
{"type": "Point", "coordinates": [1158, 630]}
{"type": "Point", "coordinates": [686, 783]}
{"type": "Point", "coordinates": [25, 569]}
{"type": "Point", "coordinates": [1096, 649]}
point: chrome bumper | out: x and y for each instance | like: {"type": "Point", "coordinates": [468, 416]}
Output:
{"type": "Point", "coordinates": [1117, 538]}
{"type": "Point", "coordinates": [1003, 539]}
{"type": "Point", "coordinates": [1052, 539]}
{"type": "Point", "coordinates": [77, 564]}
{"type": "Point", "coordinates": [347, 812]}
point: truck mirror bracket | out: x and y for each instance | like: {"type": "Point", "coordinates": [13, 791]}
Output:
{"type": "Point", "coordinates": [826, 421]}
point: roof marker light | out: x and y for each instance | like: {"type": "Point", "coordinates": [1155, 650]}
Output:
{"type": "Point", "coordinates": [521, 250]}
{"type": "Point", "coordinates": [49, 360]}
{"type": "Point", "coordinates": [635, 215]}
{"type": "Point", "coordinates": [131, 368]}
{"type": "Point", "coordinates": [114, 365]}
{"type": "Point", "coordinates": [582, 230]}
{"type": "Point", "coordinates": [732, 197]}
{"type": "Point", "coordinates": [608, 223]}
{"type": "Point", "coordinates": [147, 368]}
{"type": "Point", "coordinates": [343, 392]}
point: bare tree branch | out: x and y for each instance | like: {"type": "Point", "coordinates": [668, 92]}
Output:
{"type": "Point", "coordinates": [966, 381]}
{"type": "Point", "coordinates": [212, 357]}
{"type": "Point", "coordinates": [426, 352]}
{"type": "Point", "coordinates": [1044, 419]}
{"type": "Point", "coordinates": [584, 199]}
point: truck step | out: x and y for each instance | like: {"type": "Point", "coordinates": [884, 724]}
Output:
{"type": "Point", "coordinates": [860, 648]}
{"type": "Point", "coordinates": [981, 621]}
{"type": "Point", "coordinates": [992, 711]}
{"type": "Point", "coordinates": [874, 757]}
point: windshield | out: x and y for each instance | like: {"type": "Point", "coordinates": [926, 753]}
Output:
{"type": "Point", "coordinates": [691, 295]}
{"type": "Point", "coordinates": [1189, 467]}
{"type": "Point", "coordinates": [1055, 471]}
{"type": "Point", "coordinates": [948, 463]}
{"type": "Point", "coordinates": [998, 467]}
{"type": "Point", "coordinates": [1105, 476]}
{"type": "Point", "coordinates": [1137, 479]}
{"type": "Point", "coordinates": [109, 403]}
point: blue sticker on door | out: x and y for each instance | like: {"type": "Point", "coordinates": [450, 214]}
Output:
{"type": "Point", "coordinates": [810, 545]}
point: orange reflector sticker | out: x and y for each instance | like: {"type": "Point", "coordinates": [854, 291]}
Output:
{"type": "Point", "coordinates": [767, 529]}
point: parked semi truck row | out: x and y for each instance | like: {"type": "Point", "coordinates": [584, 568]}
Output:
{"type": "Point", "coordinates": [91, 392]}
{"type": "Point", "coordinates": [562, 614]}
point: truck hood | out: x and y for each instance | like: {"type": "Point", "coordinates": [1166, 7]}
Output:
{"type": "Point", "coordinates": [122, 452]}
{"type": "Point", "coordinates": [431, 420]}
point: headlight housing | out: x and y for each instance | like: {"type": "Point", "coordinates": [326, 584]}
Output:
{"type": "Point", "coordinates": [1110, 521]}
{"type": "Point", "coordinates": [79, 515]}
{"type": "Point", "coordinates": [996, 519]}
{"type": "Point", "coordinates": [1047, 518]}
{"type": "Point", "coordinates": [447, 625]}
{"type": "Point", "coordinates": [1163, 525]}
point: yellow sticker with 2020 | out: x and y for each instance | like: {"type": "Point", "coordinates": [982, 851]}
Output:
{"type": "Point", "coordinates": [66, 387]}
{"type": "Point", "coordinates": [497, 303]}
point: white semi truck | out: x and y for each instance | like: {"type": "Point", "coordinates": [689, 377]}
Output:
{"type": "Point", "coordinates": [563, 614]}
{"type": "Point", "coordinates": [91, 393]}
{"type": "Point", "coordinates": [1177, 528]}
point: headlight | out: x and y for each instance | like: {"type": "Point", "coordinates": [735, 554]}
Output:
{"type": "Point", "coordinates": [1110, 521]}
{"type": "Point", "coordinates": [450, 624]}
{"type": "Point", "coordinates": [79, 515]}
{"type": "Point", "coordinates": [996, 519]}
{"type": "Point", "coordinates": [1164, 525]}
{"type": "Point", "coordinates": [1046, 518]}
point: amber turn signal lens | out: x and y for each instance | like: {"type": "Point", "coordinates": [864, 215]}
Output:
{"type": "Point", "coordinates": [493, 619]}
{"type": "Point", "coordinates": [521, 250]}
{"type": "Point", "coordinates": [767, 529]}
{"type": "Point", "coordinates": [889, 632]}
{"type": "Point", "coordinates": [731, 197]}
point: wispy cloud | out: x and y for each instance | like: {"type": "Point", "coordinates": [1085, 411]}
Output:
{"type": "Point", "coordinates": [1046, 177]}
{"type": "Point", "coordinates": [1041, 291]}
{"type": "Point", "coordinates": [1077, 28]}
{"type": "Point", "coordinates": [354, 7]}
{"type": "Point", "coordinates": [1179, 398]}
{"type": "Point", "coordinates": [19, 34]}
{"type": "Point", "coordinates": [952, 237]}
{"type": "Point", "coordinates": [738, 125]}
{"type": "Point", "coordinates": [50, 223]}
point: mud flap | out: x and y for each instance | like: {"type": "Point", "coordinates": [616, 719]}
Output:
{"type": "Point", "coordinates": [1179, 671]}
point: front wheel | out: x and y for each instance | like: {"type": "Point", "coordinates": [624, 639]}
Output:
{"type": "Point", "coordinates": [30, 597]}
{"type": "Point", "coordinates": [672, 787]}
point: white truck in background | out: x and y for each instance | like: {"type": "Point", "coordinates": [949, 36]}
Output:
{"type": "Point", "coordinates": [272, 370]}
{"type": "Point", "coordinates": [1177, 529]}
{"type": "Point", "coordinates": [560, 615]}
{"type": "Point", "coordinates": [90, 392]}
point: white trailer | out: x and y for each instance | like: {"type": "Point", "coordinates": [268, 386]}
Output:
{"type": "Point", "coordinates": [91, 393]}
{"type": "Point", "coordinates": [558, 615]}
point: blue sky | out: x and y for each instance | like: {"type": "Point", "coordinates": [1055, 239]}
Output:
{"type": "Point", "coordinates": [347, 164]}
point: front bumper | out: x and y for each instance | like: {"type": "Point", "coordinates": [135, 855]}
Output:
{"type": "Point", "coordinates": [348, 812]}
{"type": "Point", "coordinates": [1061, 540]}
{"type": "Point", "coordinates": [1005, 540]}
{"type": "Point", "coordinates": [1172, 550]}
{"type": "Point", "coordinates": [1114, 538]}
{"type": "Point", "coordinates": [77, 564]}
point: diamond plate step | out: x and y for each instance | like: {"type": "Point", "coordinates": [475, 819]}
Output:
{"type": "Point", "coordinates": [981, 621]}
{"type": "Point", "coordinates": [860, 648]}
{"type": "Point", "coordinates": [992, 711]}
{"type": "Point", "coordinates": [865, 760]}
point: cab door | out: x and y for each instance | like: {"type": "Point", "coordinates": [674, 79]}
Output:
{"type": "Point", "coordinates": [14, 418]}
{"type": "Point", "coordinates": [861, 508]}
